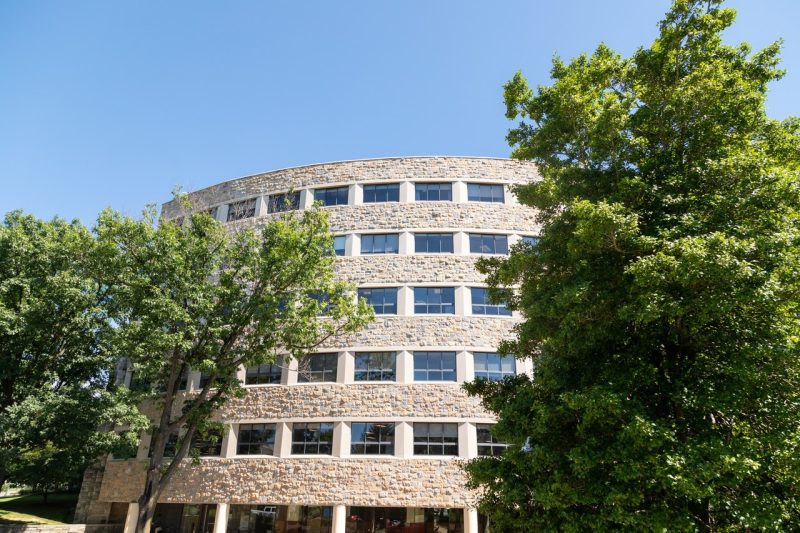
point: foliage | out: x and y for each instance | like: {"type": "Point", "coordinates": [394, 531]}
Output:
{"type": "Point", "coordinates": [661, 302]}
{"type": "Point", "coordinates": [55, 358]}
{"type": "Point", "coordinates": [197, 295]}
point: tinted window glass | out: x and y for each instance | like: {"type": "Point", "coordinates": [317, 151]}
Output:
{"type": "Point", "coordinates": [478, 192]}
{"type": "Point", "coordinates": [372, 438]}
{"type": "Point", "coordinates": [384, 243]}
{"type": "Point", "coordinates": [318, 367]}
{"type": "Point", "coordinates": [382, 193]}
{"type": "Point", "coordinates": [433, 243]}
{"type": "Point", "coordinates": [481, 305]}
{"type": "Point", "coordinates": [435, 439]}
{"type": "Point", "coordinates": [488, 244]}
{"type": "Point", "coordinates": [434, 300]}
{"type": "Point", "coordinates": [243, 209]}
{"type": "Point", "coordinates": [493, 366]}
{"type": "Point", "coordinates": [256, 439]}
{"type": "Point", "coordinates": [312, 438]}
{"type": "Point", "coordinates": [383, 300]}
{"type": "Point", "coordinates": [434, 366]}
{"type": "Point", "coordinates": [431, 192]}
{"type": "Point", "coordinates": [278, 203]}
{"type": "Point", "coordinates": [331, 196]}
{"type": "Point", "coordinates": [375, 366]}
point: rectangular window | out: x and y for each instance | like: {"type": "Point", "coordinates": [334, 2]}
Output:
{"type": "Point", "coordinates": [288, 201]}
{"type": "Point", "coordinates": [429, 300]}
{"type": "Point", "coordinates": [339, 242]}
{"type": "Point", "coordinates": [493, 366]}
{"type": "Point", "coordinates": [479, 192]}
{"type": "Point", "coordinates": [208, 445]}
{"type": "Point", "coordinates": [331, 196]}
{"type": "Point", "coordinates": [481, 305]}
{"type": "Point", "coordinates": [170, 448]}
{"type": "Point", "coordinates": [266, 518]}
{"type": "Point", "coordinates": [434, 366]}
{"type": "Point", "coordinates": [312, 438]}
{"type": "Point", "coordinates": [382, 243]}
{"type": "Point", "coordinates": [435, 439]}
{"type": "Point", "coordinates": [375, 366]}
{"type": "Point", "coordinates": [241, 210]}
{"type": "Point", "coordinates": [530, 240]}
{"type": "Point", "coordinates": [440, 520]}
{"type": "Point", "coordinates": [256, 439]}
{"type": "Point", "coordinates": [204, 379]}
{"type": "Point", "coordinates": [382, 193]}
{"type": "Point", "coordinates": [372, 438]}
{"type": "Point", "coordinates": [269, 373]}
{"type": "Point", "coordinates": [480, 243]}
{"type": "Point", "coordinates": [488, 445]}
{"type": "Point", "coordinates": [319, 367]}
{"type": "Point", "coordinates": [433, 243]}
{"type": "Point", "coordinates": [432, 192]}
{"type": "Point", "coordinates": [383, 300]}
{"type": "Point", "coordinates": [382, 520]}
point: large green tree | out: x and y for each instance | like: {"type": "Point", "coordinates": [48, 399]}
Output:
{"type": "Point", "coordinates": [196, 295]}
{"type": "Point", "coordinates": [56, 363]}
{"type": "Point", "coordinates": [660, 304]}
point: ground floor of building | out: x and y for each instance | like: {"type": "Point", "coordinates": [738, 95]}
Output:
{"type": "Point", "coordinates": [266, 518]}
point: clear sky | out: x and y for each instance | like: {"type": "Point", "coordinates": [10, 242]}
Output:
{"type": "Point", "coordinates": [114, 103]}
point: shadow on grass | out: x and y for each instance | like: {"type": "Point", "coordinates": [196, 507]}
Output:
{"type": "Point", "coordinates": [32, 509]}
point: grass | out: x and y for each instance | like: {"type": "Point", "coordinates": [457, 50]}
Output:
{"type": "Point", "coordinates": [31, 509]}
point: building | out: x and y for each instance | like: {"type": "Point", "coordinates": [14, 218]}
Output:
{"type": "Point", "coordinates": [371, 436]}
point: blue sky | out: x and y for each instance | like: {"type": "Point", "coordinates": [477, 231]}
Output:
{"type": "Point", "coordinates": [115, 103]}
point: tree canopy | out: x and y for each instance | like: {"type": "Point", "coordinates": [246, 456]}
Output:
{"type": "Point", "coordinates": [660, 303]}
{"type": "Point", "coordinates": [193, 294]}
{"type": "Point", "coordinates": [56, 360]}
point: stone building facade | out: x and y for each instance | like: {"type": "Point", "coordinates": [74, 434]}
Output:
{"type": "Point", "coordinates": [373, 434]}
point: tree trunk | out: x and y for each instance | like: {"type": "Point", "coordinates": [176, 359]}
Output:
{"type": "Point", "coordinates": [147, 502]}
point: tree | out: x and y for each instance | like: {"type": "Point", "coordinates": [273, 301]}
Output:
{"type": "Point", "coordinates": [660, 303]}
{"type": "Point", "coordinates": [196, 295]}
{"type": "Point", "coordinates": [55, 360]}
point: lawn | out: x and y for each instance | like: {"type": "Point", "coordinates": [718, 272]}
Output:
{"type": "Point", "coordinates": [31, 509]}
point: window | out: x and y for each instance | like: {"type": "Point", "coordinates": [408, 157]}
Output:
{"type": "Point", "coordinates": [267, 518]}
{"type": "Point", "coordinates": [488, 445]}
{"type": "Point", "coordinates": [530, 240]}
{"type": "Point", "coordinates": [212, 211]}
{"type": "Point", "coordinates": [339, 242]}
{"type": "Point", "coordinates": [434, 366]}
{"type": "Point", "coordinates": [481, 305]}
{"type": "Point", "coordinates": [375, 366]}
{"type": "Point", "coordinates": [440, 520]}
{"type": "Point", "coordinates": [331, 196]}
{"type": "Point", "coordinates": [384, 243]}
{"type": "Point", "coordinates": [478, 192]}
{"type": "Point", "coordinates": [209, 444]}
{"type": "Point", "coordinates": [383, 301]}
{"type": "Point", "coordinates": [288, 201]}
{"type": "Point", "coordinates": [312, 438]}
{"type": "Point", "coordinates": [263, 374]}
{"type": "Point", "coordinates": [494, 367]}
{"type": "Point", "coordinates": [435, 439]}
{"type": "Point", "coordinates": [243, 209]}
{"type": "Point", "coordinates": [433, 243]}
{"type": "Point", "coordinates": [204, 378]}
{"type": "Point", "coordinates": [382, 193]}
{"type": "Point", "coordinates": [434, 300]}
{"type": "Point", "coordinates": [372, 438]}
{"type": "Point", "coordinates": [318, 368]}
{"type": "Point", "coordinates": [380, 520]}
{"type": "Point", "coordinates": [256, 439]}
{"type": "Point", "coordinates": [488, 244]}
{"type": "Point", "coordinates": [431, 192]}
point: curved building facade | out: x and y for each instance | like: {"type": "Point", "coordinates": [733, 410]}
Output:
{"type": "Point", "coordinates": [370, 434]}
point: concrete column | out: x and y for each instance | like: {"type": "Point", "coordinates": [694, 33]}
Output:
{"type": "Point", "coordinates": [467, 441]}
{"type": "Point", "coordinates": [461, 243]}
{"type": "Point", "coordinates": [229, 440]}
{"type": "Point", "coordinates": [465, 367]}
{"type": "Point", "coordinates": [470, 521]}
{"type": "Point", "coordinates": [403, 440]}
{"type": "Point", "coordinates": [462, 301]}
{"type": "Point", "coordinates": [405, 301]}
{"type": "Point", "coordinates": [291, 372]}
{"type": "Point", "coordinates": [354, 240]}
{"type": "Point", "coordinates": [345, 367]}
{"type": "Point", "coordinates": [222, 213]}
{"type": "Point", "coordinates": [283, 439]}
{"type": "Point", "coordinates": [306, 198]}
{"type": "Point", "coordinates": [510, 197]}
{"type": "Point", "coordinates": [261, 206]}
{"type": "Point", "coordinates": [131, 518]}
{"type": "Point", "coordinates": [340, 519]}
{"type": "Point", "coordinates": [459, 191]}
{"type": "Point", "coordinates": [406, 243]}
{"type": "Point", "coordinates": [221, 518]}
{"type": "Point", "coordinates": [355, 196]}
{"type": "Point", "coordinates": [406, 192]}
{"type": "Point", "coordinates": [405, 367]}
{"type": "Point", "coordinates": [144, 445]}
{"type": "Point", "coordinates": [341, 439]}
{"type": "Point", "coordinates": [241, 374]}
{"type": "Point", "coordinates": [192, 380]}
